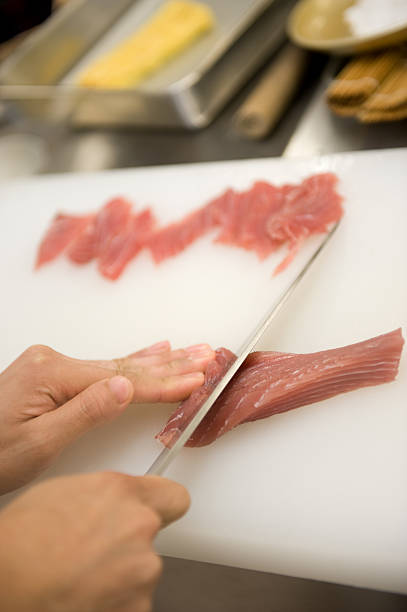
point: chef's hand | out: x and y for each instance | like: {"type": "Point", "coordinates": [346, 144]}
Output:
{"type": "Point", "coordinates": [47, 400]}
{"type": "Point", "coordinates": [85, 543]}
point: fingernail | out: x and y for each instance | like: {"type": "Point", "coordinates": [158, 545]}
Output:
{"type": "Point", "coordinates": [159, 346]}
{"type": "Point", "coordinates": [121, 388]}
{"type": "Point", "coordinates": [201, 354]}
{"type": "Point", "coordinates": [195, 348]}
{"type": "Point", "coordinates": [195, 376]}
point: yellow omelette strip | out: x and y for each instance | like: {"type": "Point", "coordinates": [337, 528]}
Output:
{"type": "Point", "coordinates": [176, 25]}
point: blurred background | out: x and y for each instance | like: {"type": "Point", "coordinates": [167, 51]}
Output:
{"type": "Point", "coordinates": [240, 90]}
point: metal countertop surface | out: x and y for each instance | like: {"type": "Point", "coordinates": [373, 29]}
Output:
{"type": "Point", "coordinates": [307, 129]}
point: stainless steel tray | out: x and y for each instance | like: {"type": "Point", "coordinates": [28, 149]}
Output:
{"type": "Point", "coordinates": [40, 77]}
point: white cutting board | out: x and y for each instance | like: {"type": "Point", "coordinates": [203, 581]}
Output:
{"type": "Point", "coordinates": [319, 492]}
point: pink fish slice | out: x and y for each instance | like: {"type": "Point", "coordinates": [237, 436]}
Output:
{"type": "Point", "coordinates": [169, 453]}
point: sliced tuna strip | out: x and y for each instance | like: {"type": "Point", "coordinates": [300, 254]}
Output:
{"type": "Point", "coordinates": [84, 237]}
{"type": "Point", "coordinates": [114, 236]}
{"type": "Point", "coordinates": [113, 219]}
{"type": "Point", "coordinates": [64, 229]}
{"type": "Point", "coordinates": [308, 208]}
{"type": "Point", "coordinates": [261, 219]}
{"type": "Point", "coordinates": [126, 245]}
{"type": "Point", "coordinates": [189, 407]}
{"type": "Point", "coordinates": [176, 237]}
{"type": "Point", "coordinates": [269, 383]}
{"type": "Point", "coordinates": [243, 218]}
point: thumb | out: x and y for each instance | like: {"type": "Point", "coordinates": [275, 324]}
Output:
{"type": "Point", "coordinates": [95, 405]}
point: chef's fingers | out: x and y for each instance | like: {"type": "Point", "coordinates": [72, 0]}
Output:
{"type": "Point", "coordinates": [168, 498]}
{"type": "Point", "coordinates": [162, 357]}
{"type": "Point", "coordinates": [105, 400]}
{"type": "Point", "coordinates": [158, 347]}
{"type": "Point", "coordinates": [97, 404]}
{"type": "Point", "coordinates": [153, 359]}
{"type": "Point", "coordinates": [150, 389]}
{"type": "Point", "coordinates": [183, 366]}
{"type": "Point", "coordinates": [71, 376]}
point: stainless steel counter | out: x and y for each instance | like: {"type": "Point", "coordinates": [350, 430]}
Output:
{"type": "Point", "coordinates": [189, 586]}
{"type": "Point", "coordinates": [58, 149]}
{"type": "Point", "coordinates": [308, 128]}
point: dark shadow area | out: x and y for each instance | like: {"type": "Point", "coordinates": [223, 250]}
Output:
{"type": "Point", "coordinates": [203, 587]}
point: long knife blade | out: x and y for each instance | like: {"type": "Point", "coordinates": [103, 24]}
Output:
{"type": "Point", "coordinates": [167, 455]}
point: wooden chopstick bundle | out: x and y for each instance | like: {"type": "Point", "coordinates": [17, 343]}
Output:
{"type": "Point", "coordinates": [372, 88]}
{"type": "Point", "coordinates": [361, 77]}
{"type": "Point", "coordinates": [389, 102]}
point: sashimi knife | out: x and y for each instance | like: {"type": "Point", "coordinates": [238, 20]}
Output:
{"type": "Point", "coordinates": [167, 455]}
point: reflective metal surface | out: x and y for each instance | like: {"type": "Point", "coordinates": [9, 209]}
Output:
{"type": "Point", "coordinates": [189, 92]}
{"type": "Point", "coordinates": [190, 586]}
{"type": "Point", "coordinates": [67, 150]}
{"type": "Point", "coordinates": [308, 128]}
